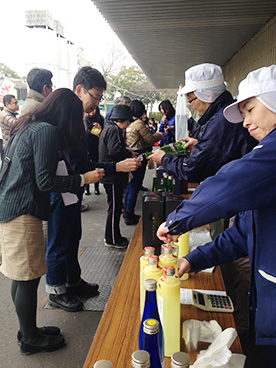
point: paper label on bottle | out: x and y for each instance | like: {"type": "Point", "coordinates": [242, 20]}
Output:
{"type": "Point", "coordinates": [161, 307]}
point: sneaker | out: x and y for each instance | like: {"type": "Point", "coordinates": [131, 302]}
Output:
{"type": "Point", "coordinates": [67, 302]}
{"type": "Point", "coordinates": [84, 289]}
{"type": "Point", "coordinates": [120, 245]}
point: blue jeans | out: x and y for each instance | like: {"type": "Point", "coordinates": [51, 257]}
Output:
{"type": "Point", "coordinates": [134, 186]}
{"type": "Point", "coordinates": [63, 237]}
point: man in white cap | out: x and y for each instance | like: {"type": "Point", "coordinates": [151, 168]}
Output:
{"type": "Point", "coordinates": [214, 143]}
{"type": "Point", "coordinates": [245, 187]}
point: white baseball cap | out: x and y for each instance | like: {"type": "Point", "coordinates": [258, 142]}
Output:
{"type": "Point", "coordinates": [260, 83]}
{"type": "Point", "coordinates": [202, 76]}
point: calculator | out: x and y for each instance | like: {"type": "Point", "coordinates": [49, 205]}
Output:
{"type": "Point", "coordinates": [212, 303]}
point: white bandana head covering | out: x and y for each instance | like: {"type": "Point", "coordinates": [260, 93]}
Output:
{"type": "Point", "coordinates": [260, 83]}
{"type": "Point", "coordinates": [205, 80]}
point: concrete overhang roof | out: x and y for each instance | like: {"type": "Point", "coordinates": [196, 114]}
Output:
{"type": "Point", "coordinates": [165, 37]}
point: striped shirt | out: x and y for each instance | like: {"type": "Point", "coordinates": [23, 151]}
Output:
{"type": "Point", "coordinates": [26, 186]}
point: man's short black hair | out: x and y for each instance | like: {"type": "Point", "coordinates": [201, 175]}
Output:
{"type": "Point", "coordinates": [37, 78]}
{"type": "Point", "coordinates": [89, 78]}
{"type": "Point", "coordinates": [7, 99]}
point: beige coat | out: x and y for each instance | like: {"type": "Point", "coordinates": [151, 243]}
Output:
{"type": "Point", "coordinates": [7, 119]}
{"type": "Point", "coordinates": [139, 136]}
{"type": "Point", "coordinates": [33, 99]}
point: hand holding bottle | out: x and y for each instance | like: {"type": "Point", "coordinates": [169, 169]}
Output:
{"type": "Point", "coordinates": [163, 234]}
{"type": "Point", "coordinates": [184, 266]}
{"type": "Point", "coordinates": [190, 143]}
{"type": "Point", "coordinates": [157, 156]}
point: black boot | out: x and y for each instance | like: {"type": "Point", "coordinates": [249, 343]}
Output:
{"type": "Point", "coordinates": [87, 189]}
{"type": "Point", "coordinates": [97, 190]}
{"type": "Point", "coordinates": [131, 218]}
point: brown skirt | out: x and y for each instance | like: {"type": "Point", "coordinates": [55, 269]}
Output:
{"type": "Point", "coordinates": [23, 248]}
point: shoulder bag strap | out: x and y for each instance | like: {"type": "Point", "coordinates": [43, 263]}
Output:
{"type": "Point", "coordinates": [8, 159]}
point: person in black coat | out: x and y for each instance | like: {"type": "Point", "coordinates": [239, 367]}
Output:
{"type": "Point", "coordinates": [112, 147]}
{"type": "Point", "coordinates": [94, 120]}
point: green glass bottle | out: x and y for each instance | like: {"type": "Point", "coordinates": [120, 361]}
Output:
{"type": "Point", "coordinates": [154, 183]}
{"type": "Point", "coordinates": [165, 182]}
{"type": "Point", "coordinates": [170, 184]}
{"type": "Point", "coordinates": [172, 148]}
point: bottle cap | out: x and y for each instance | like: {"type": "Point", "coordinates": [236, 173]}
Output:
{"type": "Point", "coordinates": [165, 174]}
{"type": "Point", "coordinates": [154, 176]}
{"type": "Point", "coordinates": [170, 177]}
{"type": "Point", "coordinates": [180, 360]}
{"type": "Point", "coordinates": [168, 249]}
{"type": "Point", "coordinates": [150, 284]}
{"type": "Point", "coordinates": [103, 364]}
{"type": "Point", "coordinates": [153, 260]}
{"type": "Point", "coordinates": [169, 271]}
{"type": "Point", "coordinates": [140, 359]}
{"type": "Point", "coordinates": [151, 326]}
{"type": "Point", "coordinates": [149, 250]}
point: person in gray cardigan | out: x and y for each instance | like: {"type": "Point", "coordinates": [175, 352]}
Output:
{"type": "Point", "coordinates": [40, 84]}
{"type": "Point", "coordinates": [34, 146]}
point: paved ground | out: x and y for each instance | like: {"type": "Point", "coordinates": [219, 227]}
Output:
{"type": "Point", "coordinates": [78, 328]}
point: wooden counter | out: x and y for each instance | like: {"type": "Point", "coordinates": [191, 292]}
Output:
{"type": "Point", "coordinates": [117, 335]}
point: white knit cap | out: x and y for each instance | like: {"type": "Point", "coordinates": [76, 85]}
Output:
{"type": "Point", "coordinates": [260, 83]}
{"type": "Point", "coordinates": [205, 80]}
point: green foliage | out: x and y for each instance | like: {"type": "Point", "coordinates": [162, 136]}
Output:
{"type": "Point", "coordinates": [7, 72]}
{"type": "Point", "coordinates": [125, 82]}
{"type": "Point", "coordinates": [157, 115]}
{"type": "Point", "coordinates": [132, 82]}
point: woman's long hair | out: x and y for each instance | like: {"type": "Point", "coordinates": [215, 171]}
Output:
{"type": "Point", "coordinates": [63, 109]}
{"type": "Point", "coordinates": [168, 109]}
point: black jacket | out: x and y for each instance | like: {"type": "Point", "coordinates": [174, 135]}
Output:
{"type": "Point", "coordinates": [112, 147]}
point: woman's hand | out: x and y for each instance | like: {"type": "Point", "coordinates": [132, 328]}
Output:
{"type": "Point", "coordinates": [157, 156]}
{"type": "Point", "coordinates": [94, 176]}
{"type": "Point", "coordinates": [184, 266]}
{"type": "Point", "coordinates": [127, 165]}
{"type": "Point", "coordinates": [96, 125]}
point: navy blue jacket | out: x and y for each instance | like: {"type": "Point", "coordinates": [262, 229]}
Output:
{"type": "Point", "coordinates": [247, 187]}
{"type": "Point", "coordinates": [219, 142]}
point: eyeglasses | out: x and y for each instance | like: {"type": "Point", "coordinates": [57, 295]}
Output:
{"type": "Point", "coordinates": [98, 99]}
{"type": "Point", "coordinates": [191, 100]}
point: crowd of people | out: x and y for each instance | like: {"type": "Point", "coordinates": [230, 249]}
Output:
{"type": "Point", "coordinates": [61, 143]}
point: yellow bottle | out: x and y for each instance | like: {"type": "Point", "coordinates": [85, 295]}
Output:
{"type": "Point", "coordinates": [183, 247]}
{"type": "Point", "coordinates": [148, 251]}
{"type": "Point", "coordinates": [168, 258]}
{"type": "Point", "coordinates": [169, 309]}
{"type": "Point", "coordinates": [152, 270]}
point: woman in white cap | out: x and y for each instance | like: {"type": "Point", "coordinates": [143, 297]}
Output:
{"type": "Point", "coordinates": [245, 187]}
